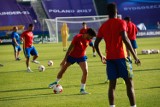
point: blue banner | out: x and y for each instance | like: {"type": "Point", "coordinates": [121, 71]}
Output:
{"type": "Point", "coordinates": [65, 8]}
{"type": "Point", "coordinates": [141, 11]}
{"type": "Point", "coordinates": [13, 13]}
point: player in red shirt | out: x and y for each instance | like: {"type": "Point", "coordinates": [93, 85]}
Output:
{"type": "Point", "coordinates": [84, 30]}
{"type": "Point", "coordinates": [132, 32]}
{"type": "Point", "coordinates": [77, 53]}
{"type": "Point", "coordinates": [113, 31]}
{"type": "Point", "coordinates": [28, 48]}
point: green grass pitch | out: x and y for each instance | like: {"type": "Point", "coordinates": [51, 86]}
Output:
{"type": "Point", "coordinates": [21, 89]}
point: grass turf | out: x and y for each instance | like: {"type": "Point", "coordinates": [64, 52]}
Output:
{"type": "Point", "coordinates": [21, 89]}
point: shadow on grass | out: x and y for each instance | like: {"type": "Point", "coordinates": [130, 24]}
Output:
{"type": "Point", "coordinates": [24, 97]}
{"type": "Point", "coordinates": [149, 88]}
{"type": "Point", "coordinates": [25, 71]}
{"type": "Point", "coordinates": [13, 71]}
{"type": "Point", "coordinates": [157, 69]}
{"type": "Point", "coordinates": [20, 90]}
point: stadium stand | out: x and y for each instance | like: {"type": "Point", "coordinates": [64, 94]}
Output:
{"type": "Point", "coordinates": [9, 28]}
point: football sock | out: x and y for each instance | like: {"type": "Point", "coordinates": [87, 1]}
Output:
{"type": "Point", "coordinates": [57, 80]}
{"type": "Point", "coordinates": [83, 86]}
{"type": "Point", "coordinates": [94, 53]}
{"type": "Point", "coordinates": [112, 106]}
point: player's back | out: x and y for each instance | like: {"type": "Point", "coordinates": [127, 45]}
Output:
{"type": "Point", "coordinates": [132, 30]}
{"type": "Point", "coordinates": [111, 32]}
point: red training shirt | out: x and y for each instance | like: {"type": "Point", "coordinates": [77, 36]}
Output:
{"type": "Point", "coordinates": [83, 30]}
{"type": "Point", "coordinates": [132, 30]}
{"type": "Point", "coordinates": [110, 32]}
{"type": "Point", "coordinates": [28, 38]}
{"type": "Point", "coordinates": [80, 45]}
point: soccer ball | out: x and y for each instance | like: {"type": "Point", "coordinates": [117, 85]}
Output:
{"type": "Point", "coordinates": [146, 51]}
{"type": "Point", "coordinates": [57, 89]}
{"type": "Point", "coordinates": [50, 63]}
{"type": "Point", "coordinates": [41, 68]}
{"type": "Point", "coordinates": [154, 51]}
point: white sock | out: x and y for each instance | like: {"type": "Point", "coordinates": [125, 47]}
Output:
{"type": "Point", "coordinates": [28, 68]}
{"type": "Point", "coordinates": [134, 106]}
{"type": "Point", "coordinates": [83, 86]}
{"type": "Point", "coordinates": [57, 80]}
{"type": "Point", "coordinates": [112, 106]}
{"type": "Point", "coordinates": [94, 53]}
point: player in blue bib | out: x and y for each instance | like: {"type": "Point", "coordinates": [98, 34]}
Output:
{"type": "Point", "coordinates": [16, 42]}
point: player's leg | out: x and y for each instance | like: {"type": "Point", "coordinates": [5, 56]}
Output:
{"type": "Point", "coordinates": [84, 67]}
{"type": "Point", "coordinates": [64, 67]}
{"type": "Point", "coordinates": [27, 62]}
{"type": "Point", "coordinates": [94, 51]}
{"type": "Point", "coordinates": [27, 55]}
{"type": "Point", "coordinates": [34, 53]}
{"type": "Point", "coordinates": [111, 92]}
{"type": "Point", "coordinates": [34, 59]}
{"type": "Point", "coordinates": [130, 91]}
{"type": "Point", "coordinates": [14, 49]}
{"type": "Point", "coordinates": [18, 53]}
{"type": "Point", "coordinates": [60, 74]}
{"type": "Point", "coordinates": [111, 71]}
{"type": "Point", "coordinates": [125, 71]}
{"type": "Point", "coordinates": [93, 48]}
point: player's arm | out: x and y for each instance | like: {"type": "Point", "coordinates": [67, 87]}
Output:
{"type": "Point", "coordinates": [21, 37]}
{"type": "Point", "coordinates": [67, 53]}
{"type": "Point", "coordinates": [14, 40]}
{"type": "Point", "coordinates": [129, 47]}
{"type": "Point", "coordinates": [96, 45]}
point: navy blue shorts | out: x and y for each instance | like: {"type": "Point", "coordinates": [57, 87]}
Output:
{"type": "Point", "coordinates": [16, 48]}
{"type": "Point", "coordinates": [134, 44]}
{"type": "Point", "coordinates": [119, 68]}
{"type": "Point", "coordinates": [91, 44]}
{"type": "Point", "coordinates": [30, 51]}
{"type": "Point", "coordinates": [72, 60]}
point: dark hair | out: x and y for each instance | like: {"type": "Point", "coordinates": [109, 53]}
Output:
{"type": "Point", "coordinates": [15, 27]}
{"type": "Point", "coordinates": [111, 9]}
{"type": "Point", "coordinates": [31, 25]}
{"type": "Point", "coordinates": [127, 18]}
{"type": "Point", "coordinates": [91, 32]}
{"type": "Point", "coordinates": [83, 23]}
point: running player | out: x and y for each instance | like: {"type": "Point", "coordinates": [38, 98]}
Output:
{"type": "Point", "coordinates": [77, 53]}
{"type": "Point", "coordinates": [113, 31]}
{"type": "Point", "coordinates": [29, 49]}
